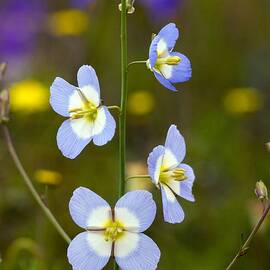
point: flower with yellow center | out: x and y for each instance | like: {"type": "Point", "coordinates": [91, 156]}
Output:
{"type": "Point", "coordinates": [88, 119]}
{"type": "Point", "coordinates": [169, 174]}
{"type": "Point", "coordinates": [168, 67]}
{"type": "Point", "coordinates": [113, 232]}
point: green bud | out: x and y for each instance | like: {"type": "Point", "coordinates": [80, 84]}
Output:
{"type": "Point", "coordinates": [4, 106]}
{"type": "Point", "coordinates": [129, 6]}
{"type": "Point", "coordinates": [261, 191]}
{"type": "Point", "coordinates": [267, 145]}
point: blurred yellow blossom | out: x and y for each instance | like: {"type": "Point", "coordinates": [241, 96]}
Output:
{"type": "Point", "coordinates": [48, 177]}
{"type": "Point", "coordinates": [243, 100]}
{"type": "Point", "coordinates": [141, 102]}
{"type": "Point", "coordinates": [70, 22]}
{"type": "Point", "coordinates": [29, 96]}
{"type": "Point", "coordinates": [137, 168]}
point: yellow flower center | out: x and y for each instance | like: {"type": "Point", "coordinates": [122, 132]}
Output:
{"type": "Point", "coordinates": [170, 60]}
{"type": "Point", "coordinates": [176, 174]}
{"type": "Point", "coordinates": [88, 110]}
{"type": "Point", "coordinates": [113, 231]}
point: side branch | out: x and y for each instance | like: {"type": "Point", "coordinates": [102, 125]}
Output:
{"type": "Point", "coordinates": [244, 248]}
{"type": "Point", "coordinates": [30, 186]}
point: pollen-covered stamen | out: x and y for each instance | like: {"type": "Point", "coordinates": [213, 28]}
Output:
{"type": "Point", "coordinates": [113, 231]}
{"type": "Point", "coordinates": [176, 174]}
{"type": "Point", "coordinates": [88, 110]}
{"type": "Point", "coordinates": [170, 60]}
{"type": "Point", "coordinates": [179, 174]}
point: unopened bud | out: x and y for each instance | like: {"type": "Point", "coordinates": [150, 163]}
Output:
{"type": "Point", "coordinates": [261, 191]}
{"type": "Point", "coordinates": [4, 106]}
{"type": "Point", "coordinates": [267, 145]}
{"type": "Point", "coordinates": [129, 6]}
{"type": "Point", "coordinates": [3, 68]}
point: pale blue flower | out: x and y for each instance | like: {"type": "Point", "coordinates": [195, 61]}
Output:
{"type": "Point", "coordinates": [169, 67]}
{"type": "Point", "coordinates": [113, 232]}
{"type": "Point", "coordinates": [88, 119]}
{"type": "Point", "coordinates": [173, 177]}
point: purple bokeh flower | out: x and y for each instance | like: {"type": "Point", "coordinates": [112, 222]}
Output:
{"type": "Point", "coordinates": [20, 22]}
{"type": "Point", "coordinates": [161, 9]}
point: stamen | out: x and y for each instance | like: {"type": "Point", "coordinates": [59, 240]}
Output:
{"type": "Point", "coordinates": [170, 60]}
{"type": "Point", "coordinates": [113, 231]}
{"type": "Point", "coordinates": [179, 174]}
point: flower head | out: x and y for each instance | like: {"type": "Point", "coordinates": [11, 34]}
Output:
{"type": "Point", "coordinates": [88, 119]}
{"type": "Point", "coordinates": [169, 67]}
{"type": "Point", "coordinates": [173, 177]}
{"type": "Point", "coordinates": [113, 232]}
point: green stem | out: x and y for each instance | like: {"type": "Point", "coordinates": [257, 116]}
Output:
{"type": "Point", "coordinates": [136, 62]}
{"type": "Point", "coordinates": [138, 176]}
{"type": "Point", "coordinates": [244, 248]}
{"type": "Point", "coordinates": [122, 116]}
{"type": "Point", "coordinates": [31, 187]}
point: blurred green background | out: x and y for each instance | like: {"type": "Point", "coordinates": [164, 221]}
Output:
{"type": "Point", "coordinates": [223, 113]}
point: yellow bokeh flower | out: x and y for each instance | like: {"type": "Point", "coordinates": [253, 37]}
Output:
{"type": "Point", "coordinates": [70, 22]}
{"type": "Point", "coordinates": [243, 100]}
{"type": "Point", "coordinates": [29, 96]}
{"type": "Point", "coordinates": [141, 103]}
{"type": "Point", "coordinates": [48, 177]}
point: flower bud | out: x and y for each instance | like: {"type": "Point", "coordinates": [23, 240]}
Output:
{"type": "Point", "coordinates": [261, 191]}
{"type": "Point", "coordinates": [267, 145]}
{"type": "Point", "coordinates": [4, 106]}
{"type": "Point", "coordinates": [129, 6]}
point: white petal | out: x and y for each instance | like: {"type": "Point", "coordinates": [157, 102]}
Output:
{"type": "Point", "coordinates": [127, 218]}
{"type": "Point", "coordinates": [169, 160]}
{"type": "Point", "coordinates": [82, 127]}
{"type": "Point", "coordinates": [162, 48]}
{"type": "Point", "coordinates": [76, 101]}
{"type": "Point", "coordinates": [100, 121]}
{"type": "Point", "coordinates": [166, 70]}
{"type": "Point", "coordinates": [97, 242]}
{"type": "Point", "coordinates": [126, 244]}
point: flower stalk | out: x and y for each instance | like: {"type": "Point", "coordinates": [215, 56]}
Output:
{"type": "Point", "coordinates": [30, 186]}
{"type": "Point", "coordinates": [244, 248]}
{"type": "Point", "coordinates": [122, 116]}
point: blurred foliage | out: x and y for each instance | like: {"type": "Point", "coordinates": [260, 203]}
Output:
{"type": "Point", "coordinates": [222, 112]}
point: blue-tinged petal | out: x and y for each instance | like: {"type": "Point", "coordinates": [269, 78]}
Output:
{"type": "Point", "coordinates": [164, 81]}
{"type": "Point", "coordinates": [104, 127]}
{"type": "Point", "coordinates": [175, 143]}
{"type": "Point", "coordinates": [87, 76]}
{"type": "Point", "coordinates": [61, 91]}
{"type": "Point", "coordinates": [183, 188]}
{"type": "Point", "coordinates": [73, 136]}
{"type": "Point", "coordinates": [186, 185]}
{"type": "Point", "coordinates": [168, 36]}
{"type": "Point", "coordinates": [172, 211]}
{"type": "Point", "coordinates": [89, 210]}
{"type": "Point", "coordinates": [153, 52]}
{"type": "Point", "coordinates": [136, 210]}
{"type": "Point", "coordinates": [89, 250]}
{"type": "Point", "coordinates": [154, 163]}
{"type": "Point", "coordinates": [181, 72]}
{"type": "Point", "coordinates": [135, 251]}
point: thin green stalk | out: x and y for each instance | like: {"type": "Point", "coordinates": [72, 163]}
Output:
{"type": "Point", "coordinates": [31, 187]}
{"type": "Point", "coordinates": [122, 117]}
{"type": "Point", "coordinates": [138, 177]}
{"type": "Point", "coordinates": [244, 248]}
{"type": "Point", "coordinates": [136, 62]}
